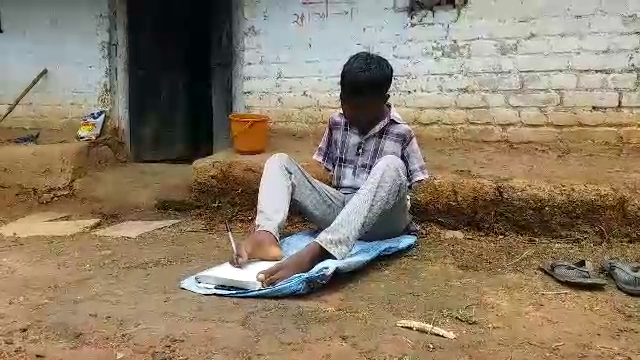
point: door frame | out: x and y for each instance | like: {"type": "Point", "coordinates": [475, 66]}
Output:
{"type": "Point", "coordinates": [119, 73]}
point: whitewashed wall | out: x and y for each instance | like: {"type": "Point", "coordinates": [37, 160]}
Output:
{"type": "Point", "coordinates": [505, 70]}
{"type": "Point", "coordinates": [70, 38]}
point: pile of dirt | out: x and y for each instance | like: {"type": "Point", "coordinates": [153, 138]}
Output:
{"type": "Point", "coordinates": [454, 201]}
{"type": "Point", "coordinates": [524, 206]}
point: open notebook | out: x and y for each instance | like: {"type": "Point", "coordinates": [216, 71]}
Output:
{"type": "Point", "coordinates": [227, 275]}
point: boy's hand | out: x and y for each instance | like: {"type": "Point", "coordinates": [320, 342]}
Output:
{"type": "Point", "coordinates": [261, 245]}
{"type": "Point", "coordinates": [240, 257]}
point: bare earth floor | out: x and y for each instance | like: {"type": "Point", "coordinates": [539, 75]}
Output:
{"type": "Point", "coordinates": [86, 297]}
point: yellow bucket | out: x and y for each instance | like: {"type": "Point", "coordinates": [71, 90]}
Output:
{"type": "Point", "coordinates": [249, 133]}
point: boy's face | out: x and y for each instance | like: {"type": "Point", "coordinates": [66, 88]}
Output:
{"type": "Point", "coordinates": [364, 112]}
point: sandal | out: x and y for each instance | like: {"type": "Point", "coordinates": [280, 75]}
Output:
{"type": "Point", "coordinates": [626, 275]}
{"type": "Point", "coordinates": [578, 274]}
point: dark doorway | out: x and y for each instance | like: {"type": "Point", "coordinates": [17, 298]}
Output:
{"type": "Point", "coordinates": [172, 72]}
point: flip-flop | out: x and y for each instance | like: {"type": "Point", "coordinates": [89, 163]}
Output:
{"type": "Point", "coordinates": [578, 274]}
{"type": "Point", "coordinates": [626, 275]}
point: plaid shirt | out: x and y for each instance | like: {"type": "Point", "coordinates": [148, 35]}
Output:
{"type": "Point", "coordinates": [349, 157]}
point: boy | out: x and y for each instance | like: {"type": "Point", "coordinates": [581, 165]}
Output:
{"type": "Point", "coordinates": [373, 158]}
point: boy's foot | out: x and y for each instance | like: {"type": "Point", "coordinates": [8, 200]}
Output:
{"type": "Point", "coordinates": [300, 262]}
{"type": "Point", "coordinates": [261, 245]}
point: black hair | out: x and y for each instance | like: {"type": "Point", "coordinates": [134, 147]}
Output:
{"type": "Point", "coordinates": [365, 75]}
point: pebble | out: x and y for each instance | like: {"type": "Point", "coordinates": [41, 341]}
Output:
{"type": "Point", "coordinates": [158, 355]}
{"type": "Point", "coordinates": [452, 234]}
{"type": "Point", "coordinates": [61, 193]}
{"type": "Point", "coordinates": [173, 339]}
{"type": "Point", "coordinates": [46, 198]}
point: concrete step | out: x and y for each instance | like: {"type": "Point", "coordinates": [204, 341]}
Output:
{"type": "Point", "coordinates": [533, 207]}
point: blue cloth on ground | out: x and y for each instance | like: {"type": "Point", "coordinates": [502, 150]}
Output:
{"type": "Point", "coordinates": [361, 254]}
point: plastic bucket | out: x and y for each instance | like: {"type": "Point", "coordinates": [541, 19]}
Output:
{"type": "Point", "coordinates": [249, 133]}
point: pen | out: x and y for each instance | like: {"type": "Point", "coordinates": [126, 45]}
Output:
{"type": "Point", "coordinates": [233, 243]}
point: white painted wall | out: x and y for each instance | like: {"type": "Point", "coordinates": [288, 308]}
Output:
{"type": "Point", "coordinates": [512, 70]}
{"type": "Point", "coordinates": [70, 38]}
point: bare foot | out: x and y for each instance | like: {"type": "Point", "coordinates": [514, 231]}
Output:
{"type": "Point", "coordinates": [302, 261]}
{"type": "Point", "coordinates": [261, 245]}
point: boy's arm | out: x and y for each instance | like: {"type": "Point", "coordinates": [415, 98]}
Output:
{"type": "Point", "coordinates": [412, 157]}
{"type": "Point", "coordinates": [324, 154]}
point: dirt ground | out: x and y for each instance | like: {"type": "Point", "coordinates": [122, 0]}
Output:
{"type": "Point", "coordinates": [86, 297]}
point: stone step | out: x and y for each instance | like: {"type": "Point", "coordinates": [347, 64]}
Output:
{"type": "Point", "coordinates": [456, 201]}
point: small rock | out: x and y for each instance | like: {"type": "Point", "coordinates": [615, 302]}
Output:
{"type": "Point", "coordinates": [61, 193]}
{"type": "Point", "coordinates": [75, 334]}
{"type": "Point", "coordinates": [18, 349]}
{"type": "Point", "coordinates": [119, 355]}
{"type": "Point", "coordinates": [93, 315]}
{"type": "Point", "coordinates": [46, 198]}
{"type": "Point", "coordinates": [158, 355]}
{"type": "Point", "coordinates": [174, 339]}
{"type": "Point", "coordinates": [451, 234]}
{"type": "Point", "coordinates": [8, 341]}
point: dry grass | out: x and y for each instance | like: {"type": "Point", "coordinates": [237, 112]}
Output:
{"type": "Point", "coordinates": [500, 207]}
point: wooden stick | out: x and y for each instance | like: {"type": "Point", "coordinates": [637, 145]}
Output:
{"type": "Point", "coordinates": [554, 292]}
{"type": "Point", "coordinates": [519, 258]}
{"type": "Point", "coordinates": [24, 93]}
{"type": "Point", "coordinates": [425, 328]}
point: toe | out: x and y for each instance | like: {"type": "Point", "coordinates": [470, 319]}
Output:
{"type": "Point", "coordinates": [264, 275]}
{"type": "Point", "coordinates": [275, 278]}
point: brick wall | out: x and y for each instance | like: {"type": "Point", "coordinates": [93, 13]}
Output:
{"type": "Point", "coordinates": [70, 38]}
{"type": "Point", "coordinates": [518, 71]}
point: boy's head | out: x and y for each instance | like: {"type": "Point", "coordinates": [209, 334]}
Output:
{"type": "Point", "coordinates": [364, 89]}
